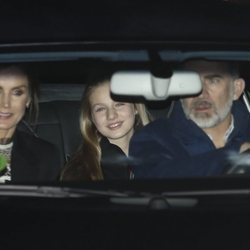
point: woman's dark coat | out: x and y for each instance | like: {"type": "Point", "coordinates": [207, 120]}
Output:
{"type": "Point", "coordinates": [33, 159]}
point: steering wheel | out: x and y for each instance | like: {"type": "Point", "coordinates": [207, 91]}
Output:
{"type": "Point", "coordinates": [239, 163]}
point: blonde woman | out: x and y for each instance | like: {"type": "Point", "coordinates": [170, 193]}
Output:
{"type": "Point", "coordinates": [107, 126]}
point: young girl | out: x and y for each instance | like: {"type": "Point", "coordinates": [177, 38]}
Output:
{"type": "Point", "coordinates": [106, 126]}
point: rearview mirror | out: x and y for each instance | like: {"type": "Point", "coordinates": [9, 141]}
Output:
{"type": "Point", "coordinates": [143, 83]}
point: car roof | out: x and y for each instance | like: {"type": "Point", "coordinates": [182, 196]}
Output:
{"type": "Point", "coordinates": [216, 20]}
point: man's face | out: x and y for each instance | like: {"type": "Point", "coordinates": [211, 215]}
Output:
{"type": "Point", "coordinates": [214, 103]}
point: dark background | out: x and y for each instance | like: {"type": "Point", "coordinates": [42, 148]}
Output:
{"type": "Point", "coordinates": [37, 21]}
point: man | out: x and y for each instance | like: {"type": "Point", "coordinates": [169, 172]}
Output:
{"type": "Point", "coordinates": [201, 131]}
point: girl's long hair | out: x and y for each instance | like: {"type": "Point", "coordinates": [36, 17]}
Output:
{"type": "Point", "coordinates": [85, 163]}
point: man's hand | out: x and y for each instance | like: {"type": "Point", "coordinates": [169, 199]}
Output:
{"type": "Point", "coordinates": [245, 146]}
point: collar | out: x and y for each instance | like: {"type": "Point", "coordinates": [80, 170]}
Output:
{"type": "Point", "coordinates": [228, 132]}
{"type": "Point", "coordinates": [6, 146]}
{"type": "Point", "coordinates": [230, 129]}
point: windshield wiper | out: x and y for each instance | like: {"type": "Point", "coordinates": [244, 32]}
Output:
{"type": "Point", "coordinates": [151, 200]}
{"type": "Point", "coordinates": [55, 192]}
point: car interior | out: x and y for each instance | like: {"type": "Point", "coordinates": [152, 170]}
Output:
{"type": "Point", "coordinates": [58, 120]}
{"type": "Point", "coordinates": [61, 84]}
{"type": "Point", "coordinates": [62, 81]}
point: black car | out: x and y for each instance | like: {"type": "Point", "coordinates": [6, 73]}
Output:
{"type": "Point", "coordinates": [61, 44]}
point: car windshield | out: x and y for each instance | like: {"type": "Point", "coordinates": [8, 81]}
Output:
{"type": "Point", "coordinates": [63, 77]}
{"type": "Point", "coordinates": [177, 107]}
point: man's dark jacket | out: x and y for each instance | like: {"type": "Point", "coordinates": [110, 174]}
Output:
{"type": "Point", "coordinates": [33, 159]}
{"type": "Point", "coordinates": [177, 147]}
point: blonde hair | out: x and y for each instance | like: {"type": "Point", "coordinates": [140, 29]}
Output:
{"type": "Point", "coordinates": [86, 162]}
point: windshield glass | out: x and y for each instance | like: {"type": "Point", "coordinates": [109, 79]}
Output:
{"type": "Point", "coordinates": [61, 121]}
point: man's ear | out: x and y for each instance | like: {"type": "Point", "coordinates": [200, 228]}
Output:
{"type": "Point", "coordinates": [239, 86]}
